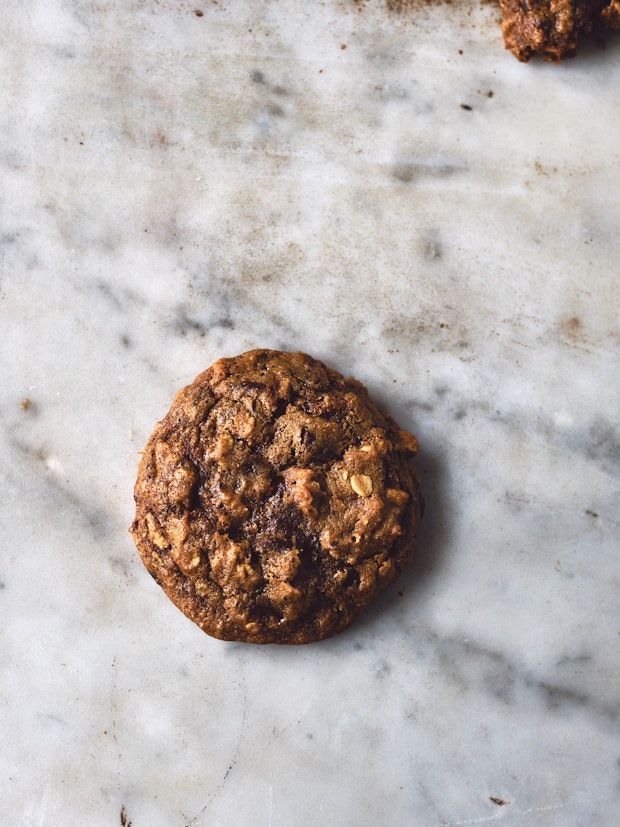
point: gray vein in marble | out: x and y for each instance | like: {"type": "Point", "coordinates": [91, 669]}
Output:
{"type": "Point", "coordinates": [178, 188]}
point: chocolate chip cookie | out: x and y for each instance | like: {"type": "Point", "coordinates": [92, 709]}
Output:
{"type": "Point", "coordinates": [274, 500]}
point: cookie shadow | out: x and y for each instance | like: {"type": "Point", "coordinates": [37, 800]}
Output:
{"type": "Point", "coordinates": [596, 44]}
{"type": "Point", "coordinates": [432, 539]}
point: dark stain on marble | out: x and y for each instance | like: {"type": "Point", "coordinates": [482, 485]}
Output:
{"type": "Point", "coordinates": [119, 565]}
{"type": "Point", "coordinates": [516, 501]}
{"type": "Point", "coordinates": [117, 297]}
{"type": "Point", "coordinates": [125, 820]}
{"type": "Point", "coordinates": [275, 111]}
{"type": "Point", "coordinates": [499, 801]}
{"type": "Point", "coordinates": [421, 405]}
{"type": "Point", "coordinates": [406, 170]}
{"type": "Point", "coordinates": [382, 669]}
{"type": "Point", "coordinates": [603, 443]}
{"type": "Point", "coordinates": [259, 77]}
{"type": "Point", "coordinates": [12, 160]}
{"type": "Point", "coordinates": [403, 172]}
{"type": "Point", "coordinates": [431, 246]}
{"type": "Point", "coordinates": [404, 6]}
{"type": "Point", "coordinates": [186, 324]}
{"type": "Point", "coordinates": [499, 680]}
{"type": "Point", "coordinates": [558, 696]}
{"type": "Point", "coordinates": [571, 661]}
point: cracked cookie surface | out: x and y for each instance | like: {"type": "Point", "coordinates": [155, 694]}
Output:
{"type": "Point", "coordinates": [275, 500]}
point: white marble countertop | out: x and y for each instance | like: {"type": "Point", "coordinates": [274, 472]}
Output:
{"type": "Point", "coordinates": [417, 209]}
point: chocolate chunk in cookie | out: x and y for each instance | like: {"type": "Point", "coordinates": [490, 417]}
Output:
{"type": "Point", "coordinates": [274, 500]}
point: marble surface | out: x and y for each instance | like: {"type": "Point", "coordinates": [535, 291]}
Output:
{"type": "Point", "coordinates": [183, 181]}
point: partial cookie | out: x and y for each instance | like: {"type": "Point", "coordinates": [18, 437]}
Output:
{"type": "Point", "coordinates": [274, 500]}
{"type": "Point", "coordinates": [553, 28]}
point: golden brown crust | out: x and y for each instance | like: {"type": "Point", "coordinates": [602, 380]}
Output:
{"type": "Point", "coordinates": [275, 500]}
{"type": "Point", "coordinates": [610, 15]}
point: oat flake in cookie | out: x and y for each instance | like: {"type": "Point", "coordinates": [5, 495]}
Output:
{"type": "Point", "coordinates": [275, 500]}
